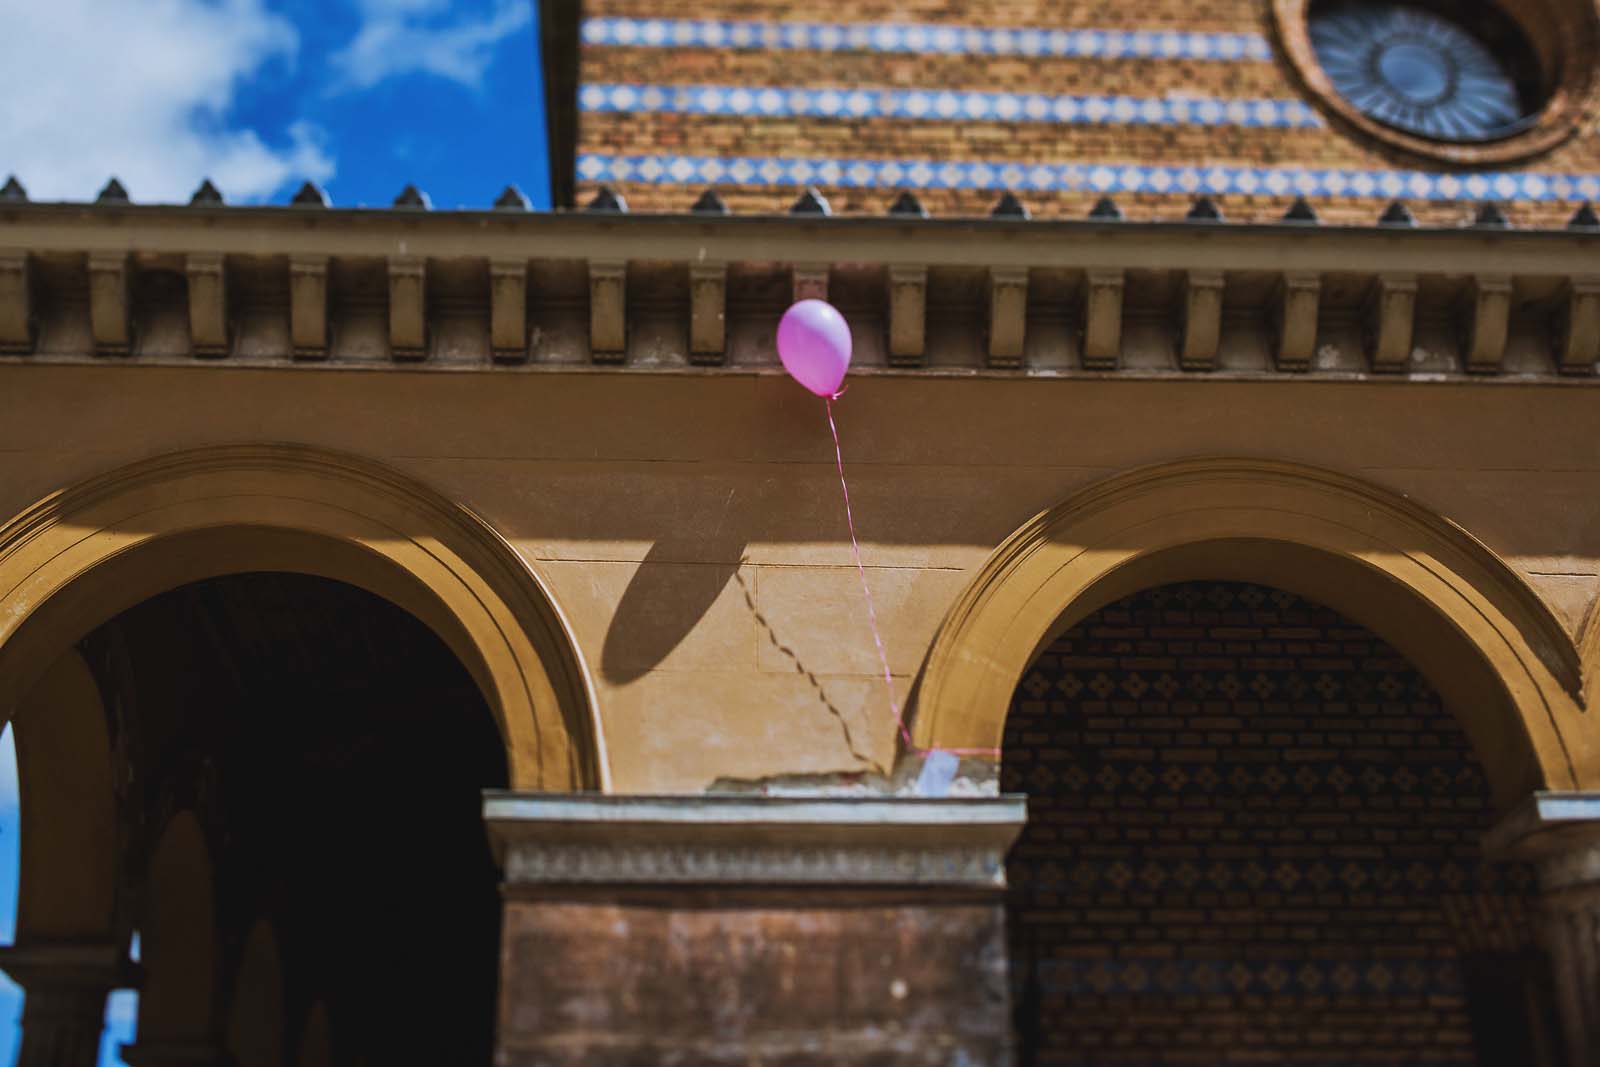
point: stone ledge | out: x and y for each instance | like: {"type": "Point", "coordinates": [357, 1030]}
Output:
{"type": "Point", "coordinates": [36, 965]}
{"type": "Point", "coordinates": [475, 291]}
{"type": "Point", "coordinates": [1558, 832]}
{"type": "Point", "coordinates": [544, 839]}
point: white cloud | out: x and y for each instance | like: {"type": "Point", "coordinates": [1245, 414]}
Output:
{"type": "Point", "coordinates": [407, 37]}
{"type": "Point", "coordinates": [140, 89]}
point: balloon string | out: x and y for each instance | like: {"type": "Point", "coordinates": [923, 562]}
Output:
{"type": "Point", "coordinates": [872, 612]}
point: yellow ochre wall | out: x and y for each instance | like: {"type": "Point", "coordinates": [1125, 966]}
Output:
{"type": "Point", "coordinates": [690, 528]}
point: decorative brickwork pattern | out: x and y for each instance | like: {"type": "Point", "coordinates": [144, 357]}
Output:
{"type": "Point", "coordinates": [1154, 103]}
{"type": "Point", "coordinates": [1253, 837]}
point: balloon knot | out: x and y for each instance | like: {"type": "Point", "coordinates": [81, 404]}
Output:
{"type": "Point", "coordinates": [843, 390]}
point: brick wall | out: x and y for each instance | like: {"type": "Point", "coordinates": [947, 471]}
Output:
{"type": "Point", "coordinates": [651, 134]}
{"type": "Point", "coordinates": [1253, 838]}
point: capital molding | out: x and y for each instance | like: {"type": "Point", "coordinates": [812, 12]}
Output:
{"type": "Point", "coordinates": [67, 966]}
{"type": "Point", "coordinates": [555, 840]}
{"type": "Point", "coordinates": [1558, 832]}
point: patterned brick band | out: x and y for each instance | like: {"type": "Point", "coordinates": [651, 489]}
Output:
{"type": "Point", "coordinates": [1107, 177]}
{"type": "Point", "coordinates": [924, 39]}
{"type": "Point", "coordinates": [1253, 825]}
{"type": "Point", "coordinates": [946, 105]}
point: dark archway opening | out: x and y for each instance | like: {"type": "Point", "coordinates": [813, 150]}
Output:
{"type": "Point", "coordinates": [1254, 836]}
{"type": "Point", "coordinates": [335, 752]}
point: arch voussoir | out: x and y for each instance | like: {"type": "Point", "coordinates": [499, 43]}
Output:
{"type": "Point", "coordinates": [77, 557]}
{"type": "Point", "coordinates": [1495, 651]}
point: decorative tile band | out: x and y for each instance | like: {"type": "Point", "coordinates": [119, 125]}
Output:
{"type": "Point", "coordinates": [580, 839]}
{"type": "Point", "coordinates": [946, 105]}
{"type": "Point", "coordinates": [1327, 878]}
{"type": "Point", "coordinates": [1085, 178]}
{"type": "Point", "coordinates": [925, 39]}
{"type": "Point", "coordinates": [782, 864]}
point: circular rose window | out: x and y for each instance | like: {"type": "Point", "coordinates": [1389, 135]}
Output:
{"type": "Point", "coordinates": [1425, 73]}
{"type": "Point", "coordinates": [1458, 81]}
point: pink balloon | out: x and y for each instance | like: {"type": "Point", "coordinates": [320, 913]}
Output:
{"type": "Point", "coordinates": [814, 344]}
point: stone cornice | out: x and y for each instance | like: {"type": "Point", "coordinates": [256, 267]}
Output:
{"type": "Point", "coordinates": [1083, 243]}
{"type": "Point", "coordinates": [464, 290]}
{"type": "Point", "coordinates": [595, 840]}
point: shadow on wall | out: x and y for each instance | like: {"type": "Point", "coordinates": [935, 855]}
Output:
{"type": "Point", "coordinates": [669, 594]}
{"type": "Point", "coordinates": [667, 598]}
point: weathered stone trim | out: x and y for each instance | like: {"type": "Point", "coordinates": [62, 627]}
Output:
{"type": "Point", "coordinates": [741, 841]}
{"type": "Point", "coordinates": [708, 284]}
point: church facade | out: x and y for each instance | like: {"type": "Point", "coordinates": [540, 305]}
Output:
{"type": "Point", "coordinates": [439, 636]}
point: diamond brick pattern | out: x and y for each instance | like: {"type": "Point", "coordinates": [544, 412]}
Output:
{"type": "Point", "coordinates": [1253, 830]}
{"type": "Point", "coordinates": [1154, 104]}
{"type": "Point", "coordinates": [923, 39]}
{"type": "Point", "coordinates": [996, 175]}
{"type": "Point", "coordinates": [943, 105]}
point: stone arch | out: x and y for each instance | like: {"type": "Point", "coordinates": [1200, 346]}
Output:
{"type": "Point", "coordinates": [1589, 656]}
{"type": "Point", "coordinates": [68, 875]}
{"type": "Point", "coordinates": [316, 1039]}
{"type": "Point", "coordinates": [81, 555]}
{"type": "Point", "coordinates": [1473, 627]}
{"type": "Point", "coordinates": [256, 1017]}
{"type": "Point", "coordinates": [177, 1004]}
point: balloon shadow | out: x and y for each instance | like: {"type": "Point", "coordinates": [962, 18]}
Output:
{"type": "Point", "coordinates": [665, 600]}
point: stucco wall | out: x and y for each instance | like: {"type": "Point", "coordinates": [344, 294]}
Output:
{"type": "Point", "coordinates": [690, 528]}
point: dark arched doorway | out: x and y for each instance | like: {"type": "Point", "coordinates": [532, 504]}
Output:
{"type": "Point", "coordinates": [333, 753]}
{"type": "Point", "coordinates": [1254, 836]}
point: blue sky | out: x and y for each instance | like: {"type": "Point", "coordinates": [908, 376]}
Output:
{"type": "Point", "coordinates": [122, 1008]}
{"type": "Point", "coordinates": [10, 841]}
{"type": "Point", "coordinates": [362, 96]}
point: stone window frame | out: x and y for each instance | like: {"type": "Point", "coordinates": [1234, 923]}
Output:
{"type": "Point", "coordinates": [1565, 37]}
